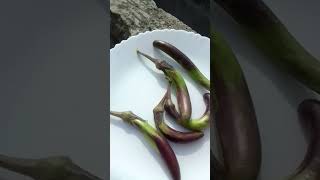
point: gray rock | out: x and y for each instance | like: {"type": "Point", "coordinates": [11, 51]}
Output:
{"type": "Point", "coordinates": [131, 17]}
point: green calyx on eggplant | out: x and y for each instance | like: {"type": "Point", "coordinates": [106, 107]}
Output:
{"type": "Point", "coordinates": [156, 139]}
{"type": "Point", "coordinates": [184, 61]}
{"type": "Point", "coordinates": [183, 117]}
{"type": "Point", "coordinates": [176, 78]}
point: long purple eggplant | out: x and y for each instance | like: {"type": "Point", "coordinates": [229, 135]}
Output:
{"type": "Point", "coordinates": [170, 133]}
{"type": "Point", "coordinates": [184, 61]}
{"type": "Point", "coordinates": [196, 124]}
{"type": "Point", "coordinates": [181, 88]}
{"type": "Point", "coordinates": [235, 119]}
{"type": "Point", "coordinates": [183, 97]}
{"type": "Point", "coordinates": [156, 138]}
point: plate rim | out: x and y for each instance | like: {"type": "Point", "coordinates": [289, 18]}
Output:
{"type": "Point", "coordinates": [158, 30]}
{"type": "Point", "coordinates": [191, 34]}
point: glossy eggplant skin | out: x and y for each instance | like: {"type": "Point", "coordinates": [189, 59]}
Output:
{"type": "Point", "coordinates": [184, 61]}
{"type": "Point", "coordinates": [197, 124]}
{"type": "Point", "coordinates": [309, 116]}
{"type": "Point", "coordinates": [236, 121]}
{"type": "Point", "coordinates": [156, 139]}
{"type": "Point", "coordinates": [170, 133]}
{"type": "Point", "coordinates": [274, 40]}
{"type": "Point", "coordinates": [183, 97]}
{"type": "Point", "coordinates": [196, 75]}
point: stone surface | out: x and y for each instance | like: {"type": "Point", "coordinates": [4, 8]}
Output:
{"type": "Point", "coordinates": [130, 17]}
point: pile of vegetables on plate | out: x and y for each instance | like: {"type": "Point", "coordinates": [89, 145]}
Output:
{"type": "Point", "coordinates": [233, 111]}
{"type": "Point", "coordinates": [234, 115]}
{"type": "Point", "coordinates": [181, 114]}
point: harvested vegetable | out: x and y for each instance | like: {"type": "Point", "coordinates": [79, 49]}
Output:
{"type": "Point", "coordinates": [156, 138]}
{"type": "Point", "coordinates": [181, 88]}
{"type": "Point", "coordinates": [170, 133]}
{"type": "Point", "coordinates": [184, 61]}
{"type": "Point", "coordinates": [235, 119]}
{"type": "Point", "coordinates": [183, 98]}
{"type": "Point", "coordinates": [194, 124]}
{"type": "Point", "coordinates": [309, 115]}
{"type": "Point", "coordinates": [52, 168]}
{"type": "Point", "coordinates": [272, 37]}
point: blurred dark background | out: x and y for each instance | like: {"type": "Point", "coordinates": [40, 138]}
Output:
{"type": "Point", "coordinates": [194, 13]}
{"type": "Point", "coordinates": [54, 82]}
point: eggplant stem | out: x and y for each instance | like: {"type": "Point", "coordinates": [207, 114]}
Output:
{"type": "Point", "coordinates": [115, 113]}
{"type": "Point", "coordinates": [155, 61]}
{"type": "Point", "coordinates": [157, 140]}
{"type": "Point", "coordinates": [184, 115]}
{"type": "Point", "coordinates": [126, 116]}
{"type": "Point", "coordinates": [184, 61]}
{"type": "Point", "coordinates": [160, 107]}
{"type": "Point", "coordinates": [160, 64]}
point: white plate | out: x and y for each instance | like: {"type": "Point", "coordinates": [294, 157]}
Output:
{"type": "Point", "coordinates": [136, 85]}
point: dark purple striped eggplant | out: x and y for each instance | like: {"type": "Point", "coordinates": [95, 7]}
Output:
{"type": "Point", "coordinates": [52, 168]}
{"type": "Point", "coordinates": [270, 35]}
{"type": "Point", "coordinates": [235, 118]}
{"type": "Point", "coordinates": [157, 139]}
{"type": "Point", "coordinates": [184, 61]}
{"type": "Point", "coordinates": [170, 133]}
{"type": "Point", "coordinates": [309, 115]}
